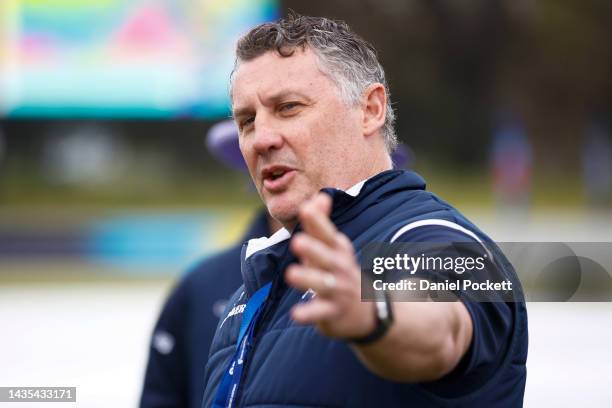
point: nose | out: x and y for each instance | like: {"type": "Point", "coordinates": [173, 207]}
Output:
{"type": "Point", "coordinates": [267, 136]}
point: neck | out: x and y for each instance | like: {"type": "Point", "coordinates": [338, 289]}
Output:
{"type": "Point", "coordinates": [377, 165]}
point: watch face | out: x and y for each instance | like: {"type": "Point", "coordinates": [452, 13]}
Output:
{"type": "Point", "coordinates": [382, 311]}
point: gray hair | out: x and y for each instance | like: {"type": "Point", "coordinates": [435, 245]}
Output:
{"type": "Point", "coordinates": [346, 58]}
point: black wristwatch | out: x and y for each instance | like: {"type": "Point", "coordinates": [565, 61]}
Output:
{"type": "Point", "coordinates": [384, 320]}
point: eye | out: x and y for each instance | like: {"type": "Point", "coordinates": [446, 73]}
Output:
{"type": "Point", "coordinates": [246, 122]}
{"type": "Point", "coordinates": [288, 107]}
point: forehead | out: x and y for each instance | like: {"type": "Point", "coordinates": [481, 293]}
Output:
{"type": "Point", "coordinates": [271, 73]}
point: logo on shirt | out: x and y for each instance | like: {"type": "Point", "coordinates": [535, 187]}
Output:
{"type": "Point", "coordinates": [163, 342]}
{"type": "Point", "coordinates": [236, 310]}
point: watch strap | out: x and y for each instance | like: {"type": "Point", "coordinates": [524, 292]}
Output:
{"type": "Point", "coordinates": [384, 319]}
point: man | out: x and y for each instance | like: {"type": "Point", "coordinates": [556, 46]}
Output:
{"type": "Point", "coordinates": [185, 328]}
{"type": "Point", "coordinates": [313, 111]}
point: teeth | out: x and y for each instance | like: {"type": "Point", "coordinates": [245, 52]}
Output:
{"type": "Point", "coordinates": [278, 173]}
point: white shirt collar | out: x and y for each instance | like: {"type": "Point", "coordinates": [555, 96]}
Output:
{"type": "Point", "coordinates": [356, 189]}
{"type": "Point", "coordinates": [257, 244]}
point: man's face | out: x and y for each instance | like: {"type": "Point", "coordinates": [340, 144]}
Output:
{"type": "Point", "coordinates": [296, 134]}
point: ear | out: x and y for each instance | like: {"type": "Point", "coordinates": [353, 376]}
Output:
{"type": "Point", "coordinates": [374, 105]}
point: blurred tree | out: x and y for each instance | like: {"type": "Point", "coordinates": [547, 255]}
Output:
{"type": "Point", "coordinates": [560, 74]}
{"type": "Point", "coordinates": [453, 64]}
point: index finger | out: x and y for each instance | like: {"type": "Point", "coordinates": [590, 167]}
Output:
{"type": "Point", "coordinates": [314, 216]}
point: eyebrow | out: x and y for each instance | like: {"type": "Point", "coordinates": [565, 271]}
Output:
{"type": "Point", "coordinates": [274, 98]}
{"type": "Point", "coordinates": [241, 112]}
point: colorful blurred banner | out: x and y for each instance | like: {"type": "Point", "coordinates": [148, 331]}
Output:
{"type": "Point", "coordinates": [121, 58]}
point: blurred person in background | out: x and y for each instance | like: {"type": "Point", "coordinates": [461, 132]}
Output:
{"type": "Point", "coordinates": [511, 164]}
{"type": "Point", "coordinates": [181, 339]}
{"type": "Point", "coordinates": [316, 129]}
{"type": "Point", "coordinates": [597, 164]}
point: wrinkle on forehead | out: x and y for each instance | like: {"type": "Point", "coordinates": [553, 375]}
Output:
{"type": "Point", "coordinates": [263, 81]}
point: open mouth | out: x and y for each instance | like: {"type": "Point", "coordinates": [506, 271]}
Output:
{"type": "Point", "coordinates": [277, 174]}
{"type": "Point", "coordinates": [277, 178]}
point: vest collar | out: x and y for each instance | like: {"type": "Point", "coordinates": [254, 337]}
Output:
{"type": "Point", "coordinates": [258, 244]}
{"type": "Point", "coordinates": [263, 257]}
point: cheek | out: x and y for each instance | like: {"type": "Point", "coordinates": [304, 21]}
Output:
{"type": "Point", "coordinates": [244, 148]}
{"type": "Point", "coordinates": [338, 134]}
{"type": "Point", "coordinates": [248, 156]}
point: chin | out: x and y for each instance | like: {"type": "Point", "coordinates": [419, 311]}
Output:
{"type": "Point", "coordinates": [285, 213]}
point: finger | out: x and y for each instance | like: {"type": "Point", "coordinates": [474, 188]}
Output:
{"type": "Point", "coordinates": [315, 253]}
{"type": "Point", "coordinates": [315, 311]}
{"type": "Point", "coordinates": [323, 202]}
{"type": "Point", "coordinates": [345, 244]}
{"type": "Point", "coordinates": [314, 217]}
{"type": "Point", "coordinates": [305, 278]}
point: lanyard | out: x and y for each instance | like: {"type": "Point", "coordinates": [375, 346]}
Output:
{"type": "Point", "coordinates": [226, 393]}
